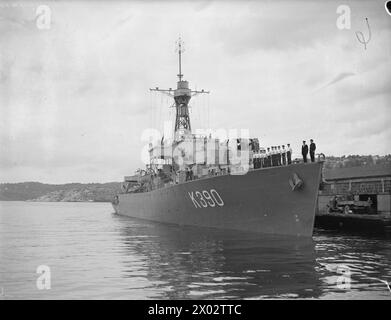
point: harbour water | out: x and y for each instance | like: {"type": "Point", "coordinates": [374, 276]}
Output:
{"type": "Point", "coordinates": [91, 253]}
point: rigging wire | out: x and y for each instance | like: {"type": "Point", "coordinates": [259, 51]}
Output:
{"type": "Point", "coordinates": [208, 106]}
{"type": "Point", "coordinates": [154, 110]}
{"type": "Point", "coordinates": [160, 113]}
{"type": "Point", "coordinates": [151, 109]}
{"type": "Point", "coordinates": [196, 113]}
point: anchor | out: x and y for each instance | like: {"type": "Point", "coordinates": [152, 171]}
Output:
{"type": "Point", "coordinates": [295, 182]}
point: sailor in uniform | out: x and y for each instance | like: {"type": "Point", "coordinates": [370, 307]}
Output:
{"type": "Point", "coordinates": [257, 164]}
{"type": "Point", "coordinates": [289, 153]}
{"type": "Point", "coordinates": [272, 157]}
{"type": "Point", "coordinates": [312, 150]}
{"type": "Point", "coordinates": [304, 151]}
{"type": "Point", "coordinates": [268, 156]}
{"type": "Point", "coordinates": [279, 156]}
{"type": "Point", "coordinates": [255, 160]}
{"type": "Point", "coordinates": [283, 155]}
{"type": "Point", "coordinates": [262, 159]}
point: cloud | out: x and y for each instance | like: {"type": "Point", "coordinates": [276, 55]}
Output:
{"type": "Point", "coordinates": [74, 99]}
{"type": "Point", "coordinates": [339, 78]}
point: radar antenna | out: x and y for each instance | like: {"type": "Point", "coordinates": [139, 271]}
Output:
{"type": "Point", "coordinates": [181, 95]}
{"type": "Point", "coordinates": [180, 48]}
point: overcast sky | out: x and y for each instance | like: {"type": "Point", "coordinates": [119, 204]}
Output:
{"type": "Point", "coordinates": [74, 98]}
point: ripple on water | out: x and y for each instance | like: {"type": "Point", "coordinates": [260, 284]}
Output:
{"type": "Point", "coordinates": [94, 254]}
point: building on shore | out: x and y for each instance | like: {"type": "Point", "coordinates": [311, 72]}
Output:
{"type": "Point", "coordinates": [367, 183]}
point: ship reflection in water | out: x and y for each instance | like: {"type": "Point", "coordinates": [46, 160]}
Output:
{"type": "Point", "coordinates": [95, 254]}
{"type": "Point", "coordinates": [191, 262]}
{"type": "Point", "coordinates": [195, 263]}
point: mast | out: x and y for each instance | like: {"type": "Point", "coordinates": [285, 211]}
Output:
{"type": "Point", "coordinates": [181, 95]}
{"type": "Point", "coordinates": [179, 49]}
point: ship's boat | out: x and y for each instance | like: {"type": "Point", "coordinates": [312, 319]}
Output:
{"type": "Point", "coordinates": [204, 181]}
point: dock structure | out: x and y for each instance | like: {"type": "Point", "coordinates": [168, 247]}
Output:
{"type": "Point", "coordinates": [362, 183]}
{"type": "Point", "coordinates": [362, 223]}
{"type": "Point", "coordinates": [363, 193]}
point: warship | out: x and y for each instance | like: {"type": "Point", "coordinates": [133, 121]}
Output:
{"type": "Point", "coordinates": [204, 181]}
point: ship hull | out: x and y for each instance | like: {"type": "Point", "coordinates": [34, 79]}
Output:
{"type": "Point", "coordinates": [262, 200]}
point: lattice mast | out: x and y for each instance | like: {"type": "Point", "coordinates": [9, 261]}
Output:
{"type": "Point", "coordinates": [182, 95]}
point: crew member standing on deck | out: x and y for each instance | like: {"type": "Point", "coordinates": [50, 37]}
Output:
{"type": "Point", "coordinates": [312, 150]}
{"type": "Point", "coordinates": [281, 151]}
{"type": "Point", "coordinates": [283, 154]}
{"type": "Point", "coordinates": [187, 175]}
{"type": "Point", "coordinates": [279, 155]}
{"type": "Point", "coordinates": [255, 160]}
{"type": "Point", "coordinates": [261, 159]}
{"type": "Point", "coordinates": [289, 153]}
{"type": "Point", "coordinates": [273, 152]}
{"type": "Point", "coordinates": [304, 151]}
{"type": "Point", "coordinates": [258, 160]}
{"type": "Point", "coordinates": [268, 158]}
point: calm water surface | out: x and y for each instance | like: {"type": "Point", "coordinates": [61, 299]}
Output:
{"type": "Point", "coordinates": [95, 254]}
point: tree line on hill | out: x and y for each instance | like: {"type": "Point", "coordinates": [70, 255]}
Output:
{"type": "Point", "coordinates": [333, 162]}
{"type": "Point", "coordinates": [104, 192]}
{"type": "Point", "coordinates": [36, 191]}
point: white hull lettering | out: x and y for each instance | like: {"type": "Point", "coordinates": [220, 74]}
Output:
{"type": "Point", "coordinates": [208, 198]}
{"type": "Point", "coordinates": [217, 197]}
{"type": "Point", "coordinates": [201, 198]}
{"type": "Point", "coordinates": [196, 204]}
{"type": "Point", "coordinates": [205, 198]}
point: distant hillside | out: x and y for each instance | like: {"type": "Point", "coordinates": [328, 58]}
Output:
{"type": "Point", "coordinates": [356, 161]}
{"type": "Point", "coordinates": [36, 191]}
{"type": "Point", "coordinates": [104, 192]}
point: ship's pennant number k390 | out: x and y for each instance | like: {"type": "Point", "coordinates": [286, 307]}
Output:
{"type": "Point", "coordinates": [204, 198]}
